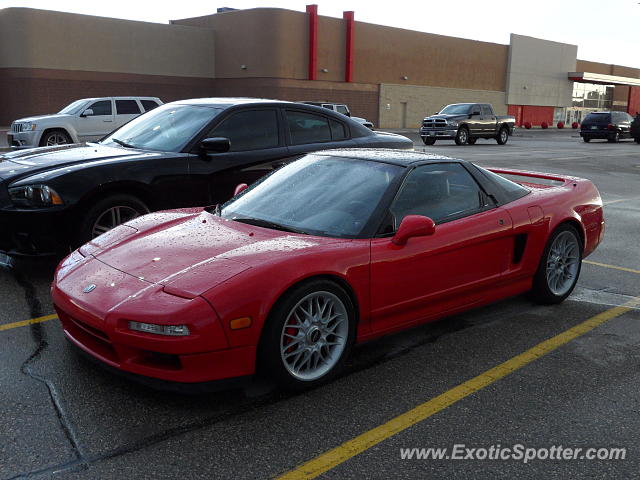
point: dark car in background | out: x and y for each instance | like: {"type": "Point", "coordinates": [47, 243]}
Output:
{"type": "Point", "coordinates": [183, 154]}
{"type": "Point", "coordinates": [635, 128]}
{"type": "Point", "coordinates": [610, 126]}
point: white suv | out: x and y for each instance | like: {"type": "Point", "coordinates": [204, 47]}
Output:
{"type": "Point", "coordinates": [84, 120]}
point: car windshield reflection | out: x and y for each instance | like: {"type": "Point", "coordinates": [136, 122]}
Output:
{"type": "Point", "coordinates": [319, 195]}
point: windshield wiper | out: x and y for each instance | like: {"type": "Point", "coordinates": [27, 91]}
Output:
{"type": "Point", "coordinates": [265, 223]}
{"type": "Point", "coordinates": [120, 142]}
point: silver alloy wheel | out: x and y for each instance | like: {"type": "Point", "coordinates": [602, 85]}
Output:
{"type": "Point", "coordinates": [504, 135]}
{"type": "Point", "coordinates": [55, 139]}
{"type": "Point", "coordinates": [111, 218]}
{"type": "Point", "coordinates": [462, 136]}
{"type": "Point", "coordinates": [563, 263]}
{"type": "Point", "coordinates": [314, 336]}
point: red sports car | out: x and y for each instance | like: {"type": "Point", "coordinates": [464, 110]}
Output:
{"type": "Point", "coordinates": [334, 249]}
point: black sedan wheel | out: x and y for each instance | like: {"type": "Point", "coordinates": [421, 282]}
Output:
{"type": "Point", "coordinates": [615, 138]}
{"type": "Point", "coordinates": [109, 213]}
{"type": "Point", "coordinates": [308, 335]}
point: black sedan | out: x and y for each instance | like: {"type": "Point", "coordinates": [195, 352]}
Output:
{"type": "Point", "coordinates": [182, 154]}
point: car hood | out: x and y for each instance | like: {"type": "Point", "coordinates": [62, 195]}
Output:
{"type": "Point", "coordinates": [20, 163]}
{"type": "Point", "coordinates": [191, 251]}
{"type": "Point", "coordinates": [42, 117]}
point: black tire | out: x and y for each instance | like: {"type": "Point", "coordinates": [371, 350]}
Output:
{"type": "Point", "coordinates": [472, 140]}
{"type": "Point", "coordinates": [55, 137]}
{"type": "Point", "coordinates": [271, 362]}
{"type": "Point", "coordinates": [542, 291]}
{"type": "Point", "coordinates": [462, 137]}
{"type": "Point", "coordinates": [429, 140]}
{"type": "Point", "coordinates": [586, 139]}
{"type": "Point", "coordinates": [130, 206]}
{"type": "Point", "coordinates": [615, 138]}
{"type": "Point", "coordinates": [503, 136]}
{"type": "Point", "coordinates": [637, 139]}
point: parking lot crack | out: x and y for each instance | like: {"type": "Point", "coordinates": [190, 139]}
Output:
{"type": "Point", "coordinates": [39, 337]}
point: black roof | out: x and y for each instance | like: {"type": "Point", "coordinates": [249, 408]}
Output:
{"type": "Point", "coordinates": [402, 158]}
{"type": "Point", "coordinates": [226, 102]}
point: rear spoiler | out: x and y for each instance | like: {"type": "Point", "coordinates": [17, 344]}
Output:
{"type": "Point", "coordinates": [532, 178]}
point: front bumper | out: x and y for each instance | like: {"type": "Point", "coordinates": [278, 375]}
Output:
{"type": "Point", "coordinates": [35, 232]}
{"type": "Point", "coordinates": [101, 330]}
{"type": "Point", "coordinates": [439, 133]}
{"type": "Point", "coordinates": [28, 139]}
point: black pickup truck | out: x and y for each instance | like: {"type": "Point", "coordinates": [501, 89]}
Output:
{"type": "Point", "coordinates": [465, 123]}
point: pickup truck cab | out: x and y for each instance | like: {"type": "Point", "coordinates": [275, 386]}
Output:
{"type": "Point", "coordinates": [84, 120]}
{"type": "Point", "coordinates": [465, 123]}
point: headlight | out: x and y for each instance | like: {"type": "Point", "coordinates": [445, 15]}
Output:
{"type": "Point", "coordinates": [453, 123]}
{"type": "Point", "coordinates": [35, 196]}
{"type": "Point", "coordinates": [27, 127]}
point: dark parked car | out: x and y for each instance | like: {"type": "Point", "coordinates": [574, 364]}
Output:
{"type": "Point", "coordinates": [465, 123]}
{"type": "Point", "coordinates": [611, 126]}
{"type": "Point", "coordinates": [635, 128]}
{"type": "Point", "coordinates": [182, 154]}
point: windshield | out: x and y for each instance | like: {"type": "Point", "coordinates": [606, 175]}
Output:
{"type": "Point", "coordinates": [167, 128]}
{"type": "Point", "coordinates": [318, 194]}
{"type": "Point", "coordinates": [458, 109]}
{"type": "Point", "coordinates": [74, 107]}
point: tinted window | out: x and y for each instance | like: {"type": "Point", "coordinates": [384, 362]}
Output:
{"type": "Point", "coordinates": [148, 105]}
{"type": "Point", "coordinates": [598, 118]}
{"type": "Point", "coordinates": [486, 110]}
{"type": "Point", "coordinates": [249, 130]}
{"type": "Point", "coordinates": [438, 191]}
{"type": "Point", "coordinates": [127, 107]}
{"type": "Point", "coordinates": [338, 130]}
{"type": "Point", "coordinates": [308, 128]}
{"type": "Point", "coordinates": [103, 107]}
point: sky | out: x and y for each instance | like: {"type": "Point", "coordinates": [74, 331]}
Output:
{"type": "Point", "coordinates": [605, 31]}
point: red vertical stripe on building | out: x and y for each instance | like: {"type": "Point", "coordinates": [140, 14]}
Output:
{"type": "Point", "coordinates": [312, 10]}
{"type": "Point", "coordinates": [633, 102]}
{"type": "Point", "coordinates": [348, 68]}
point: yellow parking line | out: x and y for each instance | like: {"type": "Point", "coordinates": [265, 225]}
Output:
{"type": "Point", "coordinates": [615, 267]}
{"type": "Point", "coordinates": [359, 444]}
{"type": "Point", "coordinates": [23, 323]}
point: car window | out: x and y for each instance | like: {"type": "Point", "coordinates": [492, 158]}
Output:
{"type": "Point", "coordinates": [148, 104]}
{"type": "Point", "coordinates": [486, 110]}
{"type": "Point", "coordinates": [338, 130]}
{"type": "Point", "coordinates": [127, 107]}
{"type": "Point", "coordinates": [342, 109]}
{"type": "Point", "coordinates": [249, 130]}
{"type": "Point", "coordinates": [439, 191]}
{"type": "Point", "coordinates": [103, 107]}
{"type": "Point", "coordinates": [308, 128]}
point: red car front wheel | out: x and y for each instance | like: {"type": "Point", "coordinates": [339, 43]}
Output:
{"type": "Point", "coordinates": [308, 335]}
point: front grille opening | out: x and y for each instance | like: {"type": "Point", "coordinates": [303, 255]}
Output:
{"type": "Point", "coordinates": [164, 361]}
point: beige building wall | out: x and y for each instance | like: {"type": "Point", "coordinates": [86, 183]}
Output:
{"type": "Point", "coordinates": [424, 101]}
{"type": "Point", "coordinates": [40, 39]}
{"type": "Point", "coordinates": [537, 72]}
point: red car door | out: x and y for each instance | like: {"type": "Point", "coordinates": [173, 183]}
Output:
{"type": "Point", "coordinates": [428, 276]}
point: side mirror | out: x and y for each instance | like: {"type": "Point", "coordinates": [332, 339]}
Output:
{"type": "Point", "coordinates": [241, 187]}
{"type": "Point", "coordinates": [413, 226]}
{"type": "Point", "coordinates": [87, 113]}
{"type": "Point", "coordinates": [215, 145]}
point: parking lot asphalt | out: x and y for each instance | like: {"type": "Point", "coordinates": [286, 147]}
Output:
{"type": "Point", "coordinates": [63, 417]}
